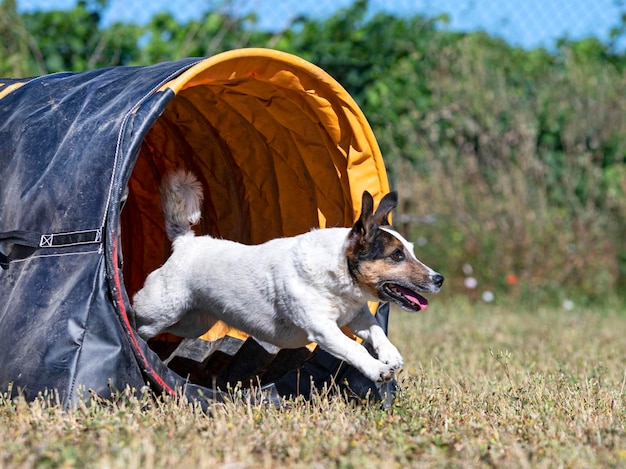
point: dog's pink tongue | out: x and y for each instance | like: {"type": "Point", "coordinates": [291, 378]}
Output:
{"type": "Point", "coordinates": [415, 298]}
{"type": "Point", "coordinates": [419, 300]}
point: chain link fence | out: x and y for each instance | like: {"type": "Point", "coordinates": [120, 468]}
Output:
{"type": "Point", "coordinates": [455, 119]}
{"type": "Point", "coordinates": [525, 23]}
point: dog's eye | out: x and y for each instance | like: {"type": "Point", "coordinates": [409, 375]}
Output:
{"type": "Point", "coordinates": [397, 255]}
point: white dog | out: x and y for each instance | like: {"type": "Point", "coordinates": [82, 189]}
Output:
{"type": "Point", "coordinates": [288, 291]}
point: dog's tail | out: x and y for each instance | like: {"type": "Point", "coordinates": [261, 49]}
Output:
{"type": "Point", "coordinates": [181, 197]}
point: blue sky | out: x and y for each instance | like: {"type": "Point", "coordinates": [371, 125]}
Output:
{"type": "Point", "coordinates": [527, 23]}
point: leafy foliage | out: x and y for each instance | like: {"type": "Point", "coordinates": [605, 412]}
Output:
{"type": "Point", "coordinates": [519, 154]}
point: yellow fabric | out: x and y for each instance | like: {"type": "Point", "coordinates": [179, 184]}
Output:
{"type": "Point", "coordinates": [6, 89]}
{"type": "Point", "coordinates": [279, 146]}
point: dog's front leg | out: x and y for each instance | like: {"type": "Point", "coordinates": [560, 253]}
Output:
{"type": "Point", "coordinates": [364, 325]}
{"type": "Point", "coordinates": [330, 338]}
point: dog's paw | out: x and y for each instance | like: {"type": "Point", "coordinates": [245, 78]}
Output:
{"type": "Point", "coordinates": [382, 373]}
{"type": "Point", "coordinates": [390, 356]}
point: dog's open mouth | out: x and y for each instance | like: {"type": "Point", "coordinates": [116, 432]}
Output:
{"type": "Point", "coordinates": [404, 297]}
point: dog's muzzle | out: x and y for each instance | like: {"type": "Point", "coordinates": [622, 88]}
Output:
{"type": "Point", "coordinates": [406, 296]}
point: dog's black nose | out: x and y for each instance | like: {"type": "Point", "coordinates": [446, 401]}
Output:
{"type": "Point", "coordinates": [437, 280]}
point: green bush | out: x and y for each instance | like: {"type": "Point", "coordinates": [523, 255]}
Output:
{"type": "Point", "coordinates": [518, 155]}
{"type": "Point", "coordinates": [522, 164]}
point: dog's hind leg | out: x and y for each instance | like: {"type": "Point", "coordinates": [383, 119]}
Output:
{"type": "Point", "coordinates": [364, 325]}
{"type": "Point", "coordinates": [330, 338]}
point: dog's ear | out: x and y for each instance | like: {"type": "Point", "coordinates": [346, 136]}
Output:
{"type": "Point", "coordinates": [363, 224]}
{"type": "Point", "coordinates": [387, 204]}
{"type": "Point", "coordinates": [367, 211]}
{"type": "Point", "coordinates": [369, 219]}
{"type": "Point", "coordinates": [365, 229]}
{"type": "Point", "coordinates": [367, 207]}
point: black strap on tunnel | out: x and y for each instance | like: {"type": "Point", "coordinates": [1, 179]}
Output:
{"type": "Point", "coordinates": [36, 240]}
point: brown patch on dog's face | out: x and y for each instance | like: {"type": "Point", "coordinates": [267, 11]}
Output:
{"type": "Point", "coordinates": [382, 262]}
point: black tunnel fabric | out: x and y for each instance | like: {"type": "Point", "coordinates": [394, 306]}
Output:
{"type": "Point", "coordinates": [69, 145]}
{"type": "Point", "coordinates": [64, 141]}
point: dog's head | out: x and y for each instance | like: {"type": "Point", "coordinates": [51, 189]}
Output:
{"type": "Point", "coordinates": [382, 262]}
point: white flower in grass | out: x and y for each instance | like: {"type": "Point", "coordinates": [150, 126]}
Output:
{"type": "Point", "coordinates": [470, 282]}
{"type": "Point", "coordinates": [488, 296]}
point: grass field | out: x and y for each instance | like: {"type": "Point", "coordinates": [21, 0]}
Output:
{"type": "Point", "coordinates": [484, 385]}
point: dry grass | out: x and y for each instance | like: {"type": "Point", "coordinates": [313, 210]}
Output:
{"type": "Point", "coordinates": [484, 385]}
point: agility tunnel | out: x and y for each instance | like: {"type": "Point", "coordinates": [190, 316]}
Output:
{"type": "Point", "coordinates": [280, 148]}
